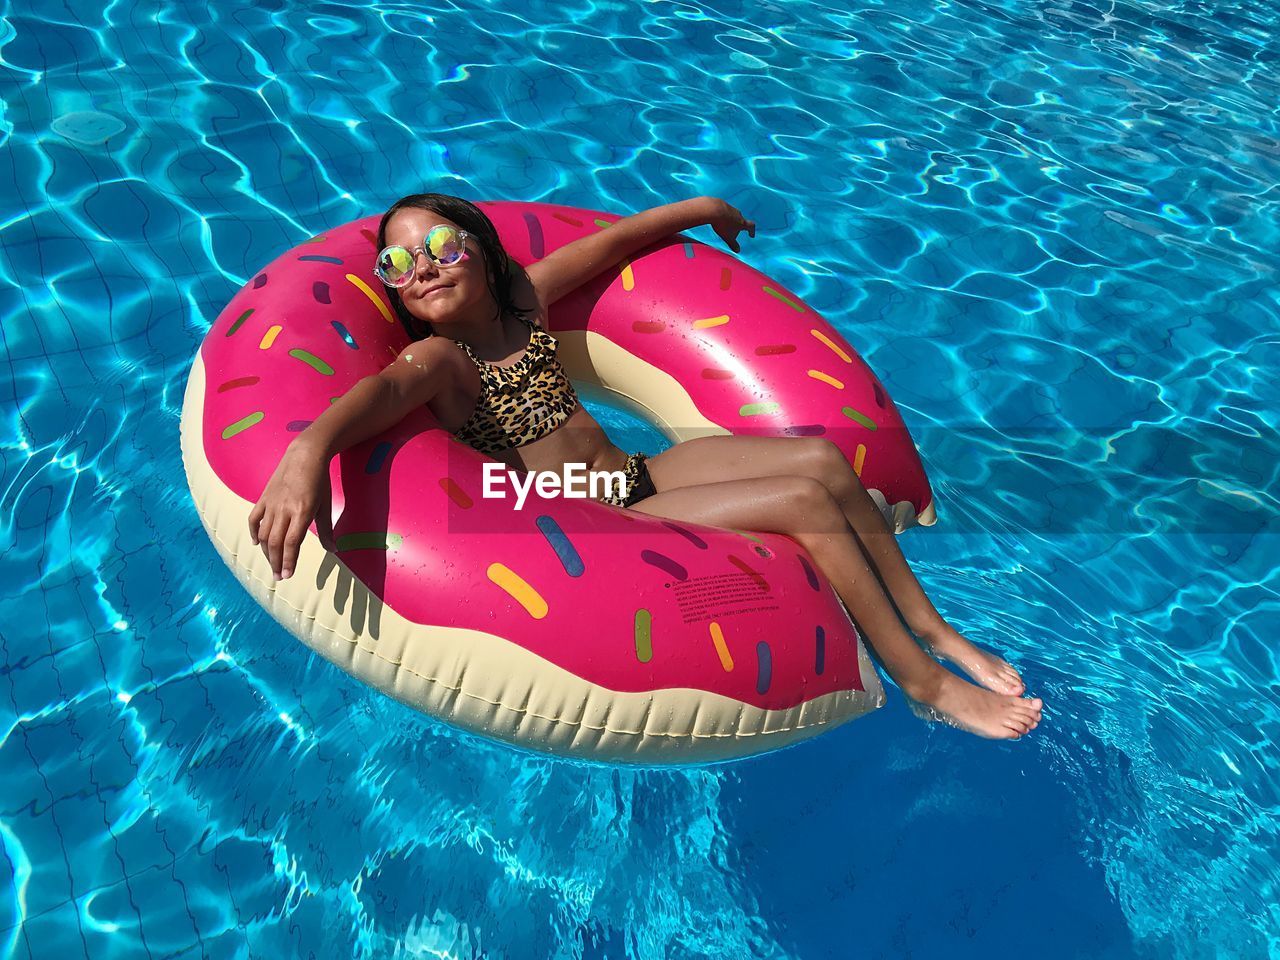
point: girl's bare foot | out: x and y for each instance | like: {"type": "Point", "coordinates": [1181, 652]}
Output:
{"type": "Point", "coordinates": [945, 643]}
{"type": "Point", "coordinates": [992, 715]}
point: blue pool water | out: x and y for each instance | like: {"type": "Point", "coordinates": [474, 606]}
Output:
{"type": "Point", "coordinates": [1051, 228]}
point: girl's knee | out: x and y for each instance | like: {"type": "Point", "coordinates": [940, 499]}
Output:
{"type": "Point", "coordinates": [828, 464]}
{"type": "Point", "coordinates": [809, 504]}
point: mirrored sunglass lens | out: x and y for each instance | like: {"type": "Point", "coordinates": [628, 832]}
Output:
{"type": "Point", "coordinates": [444, 244]}
{"type": "Point", "coordinates": [394, 264]}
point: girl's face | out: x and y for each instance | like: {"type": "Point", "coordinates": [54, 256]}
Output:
{"type": "Point", "coordinates": [441, 295]}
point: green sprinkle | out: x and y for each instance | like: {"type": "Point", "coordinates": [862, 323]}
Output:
{"type": "Point", "coordinates": [751, 409]}
{"type": "Point", "coordinates": [370, 540]}
{"type": "Point", "coordinates": [312, 361]}
{"type": "Point", "coordinates": [743, 533]}
{"type": "Point", "coordinates": [861, 418]}
{"type": "Point", "coordinates": [240, 322]}
{"type": "Point", "coordinates": [242, 425]}
{"type": "Point", "coordinates": [603, 223]}
{"type": "Point", "coordinates": [644, 642]}
{"type": "Point", "coordinates": [785, 299]}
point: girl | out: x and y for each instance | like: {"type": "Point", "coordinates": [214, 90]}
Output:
{"type": "Point", "coordinates": [482, 360]}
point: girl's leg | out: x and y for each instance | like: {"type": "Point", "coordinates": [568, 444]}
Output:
{"type": "Point", "coordinates": [802, 508]}
{"type": "Point", "coordinates": [710, 459]}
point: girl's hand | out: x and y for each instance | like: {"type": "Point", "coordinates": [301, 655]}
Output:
{"type": "Point", "coordinates": [728, 222]}
{"type": "Point", "coordinates": [298, 492]}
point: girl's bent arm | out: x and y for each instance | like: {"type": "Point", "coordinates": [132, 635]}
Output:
{"type": "Point", "coordinates": [299, 491]}
{"type": "Point", "coordinates": [378, 402]}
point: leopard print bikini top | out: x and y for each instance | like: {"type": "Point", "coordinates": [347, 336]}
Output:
{"type": "Point", "coordinates": [520, 403]}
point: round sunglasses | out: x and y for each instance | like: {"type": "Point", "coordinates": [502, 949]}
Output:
{"type": "Point", "coordinates": [444, 245]}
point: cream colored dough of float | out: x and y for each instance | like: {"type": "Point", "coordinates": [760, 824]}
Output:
{"type": "Point", "coordinates": [482, 682]}
{"type": "Point", "coordinates": [598, 360]}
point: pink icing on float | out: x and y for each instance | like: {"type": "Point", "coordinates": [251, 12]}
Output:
{"type": "Point", "coordinates": [569, 626]}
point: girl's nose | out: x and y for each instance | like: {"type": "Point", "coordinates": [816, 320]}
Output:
{"type": "Point", "coordinates": [423, 265]}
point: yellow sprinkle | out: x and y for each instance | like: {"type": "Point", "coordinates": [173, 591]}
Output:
{"type": "Point", "coordinates": [722, 648]}
{"type": "Point", "coordinates": [710, 322]}
{"type": "Point", "coordinates": [839, 353]}
{"type": "Point", "coordinates": [269, 337]}
{"type": "Point", "coordinates": [859, 456]}
{"type": "Point", "coordinates": [519, 589]}
{"type": "Point", "coordinates": [819, 375]}
{"type": "Point", "coordinates": [377, 301]}
{"type": "Point", "coordinates": [628, 278]}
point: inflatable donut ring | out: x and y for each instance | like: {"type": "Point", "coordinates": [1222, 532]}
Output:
{"type": "Point", "coordinates": [571, 626]}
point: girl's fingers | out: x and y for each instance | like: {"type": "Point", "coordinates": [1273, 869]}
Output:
{"type": "Point", "coordinates": [275, 545]}
{"type": "Point", "coordinates": [292, 540]}
{"type": "Point", "coordinates": [264, 537]}
{"type": "Point", "coordinates": [255, 518]}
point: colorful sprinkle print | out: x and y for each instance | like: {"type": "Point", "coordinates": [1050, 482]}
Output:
{"type": "Point", "coordinates": [368, 292]}
{"type": "Point", "coordinates": [269, 337]}
{"type": "Point", "coordinates": [518, 589]}
{"type": "Point", "coordinates": [561, 545]}
{"type": "Point", "coordinates": [722, 648]}
{"type": "Point", "coordinates": [755, 409]}
{"type": "Point", "coordinates": [243, 424]}
{"type": "Point", "coordinates": [456, 493]}
{"type": "Point", "coordinates": [832, 346]}
{"type": "Point", "coordinates": [808, 572]}
{"type": "Point", "coordinates": [377, 458]}
{"type": "Point", "coordinates": [537, 244]}
{"type": "Point", "coordinates": [239, 322]}
{"type": "Point", "coordinates": [689, 535]}
{"type": "Point", "coordinates": [664, 563]}
{"type": "Point", "coordinates": [819, 650]}
{"type": "Point", "coordinates": [238, 382]}
{"type": "Point", "coordinates": [819, 375]}
{"type": "Point", "coordinates": [311, 360]}
{"type": "Point", "coordinates": [369, 540]}
{"type": "Point", "coordinates": [857, 417]}
{"type": "Point", "coordinates": [755, 576]}
{"type": "Point", "coordinates": [346, 336]}
{"type": "Point", "coordinates": [643, 637]}
{"type": "Point", "coordinates": [764, 667]}
{"type": "Point", "coordinates": [711, 322]}
{"type": "Point", "coordinates": [784, 298]}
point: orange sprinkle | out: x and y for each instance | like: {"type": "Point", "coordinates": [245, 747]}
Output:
{"type": "Point", "coordinates": [819, 375]}
{"type": "Point", "coordinates": [838, 352]}
{"type": "Point", "coordinates": [717, 637]}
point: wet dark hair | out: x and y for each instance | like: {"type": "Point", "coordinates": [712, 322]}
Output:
{"type": "Point", "coordinates": [477, 223]}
